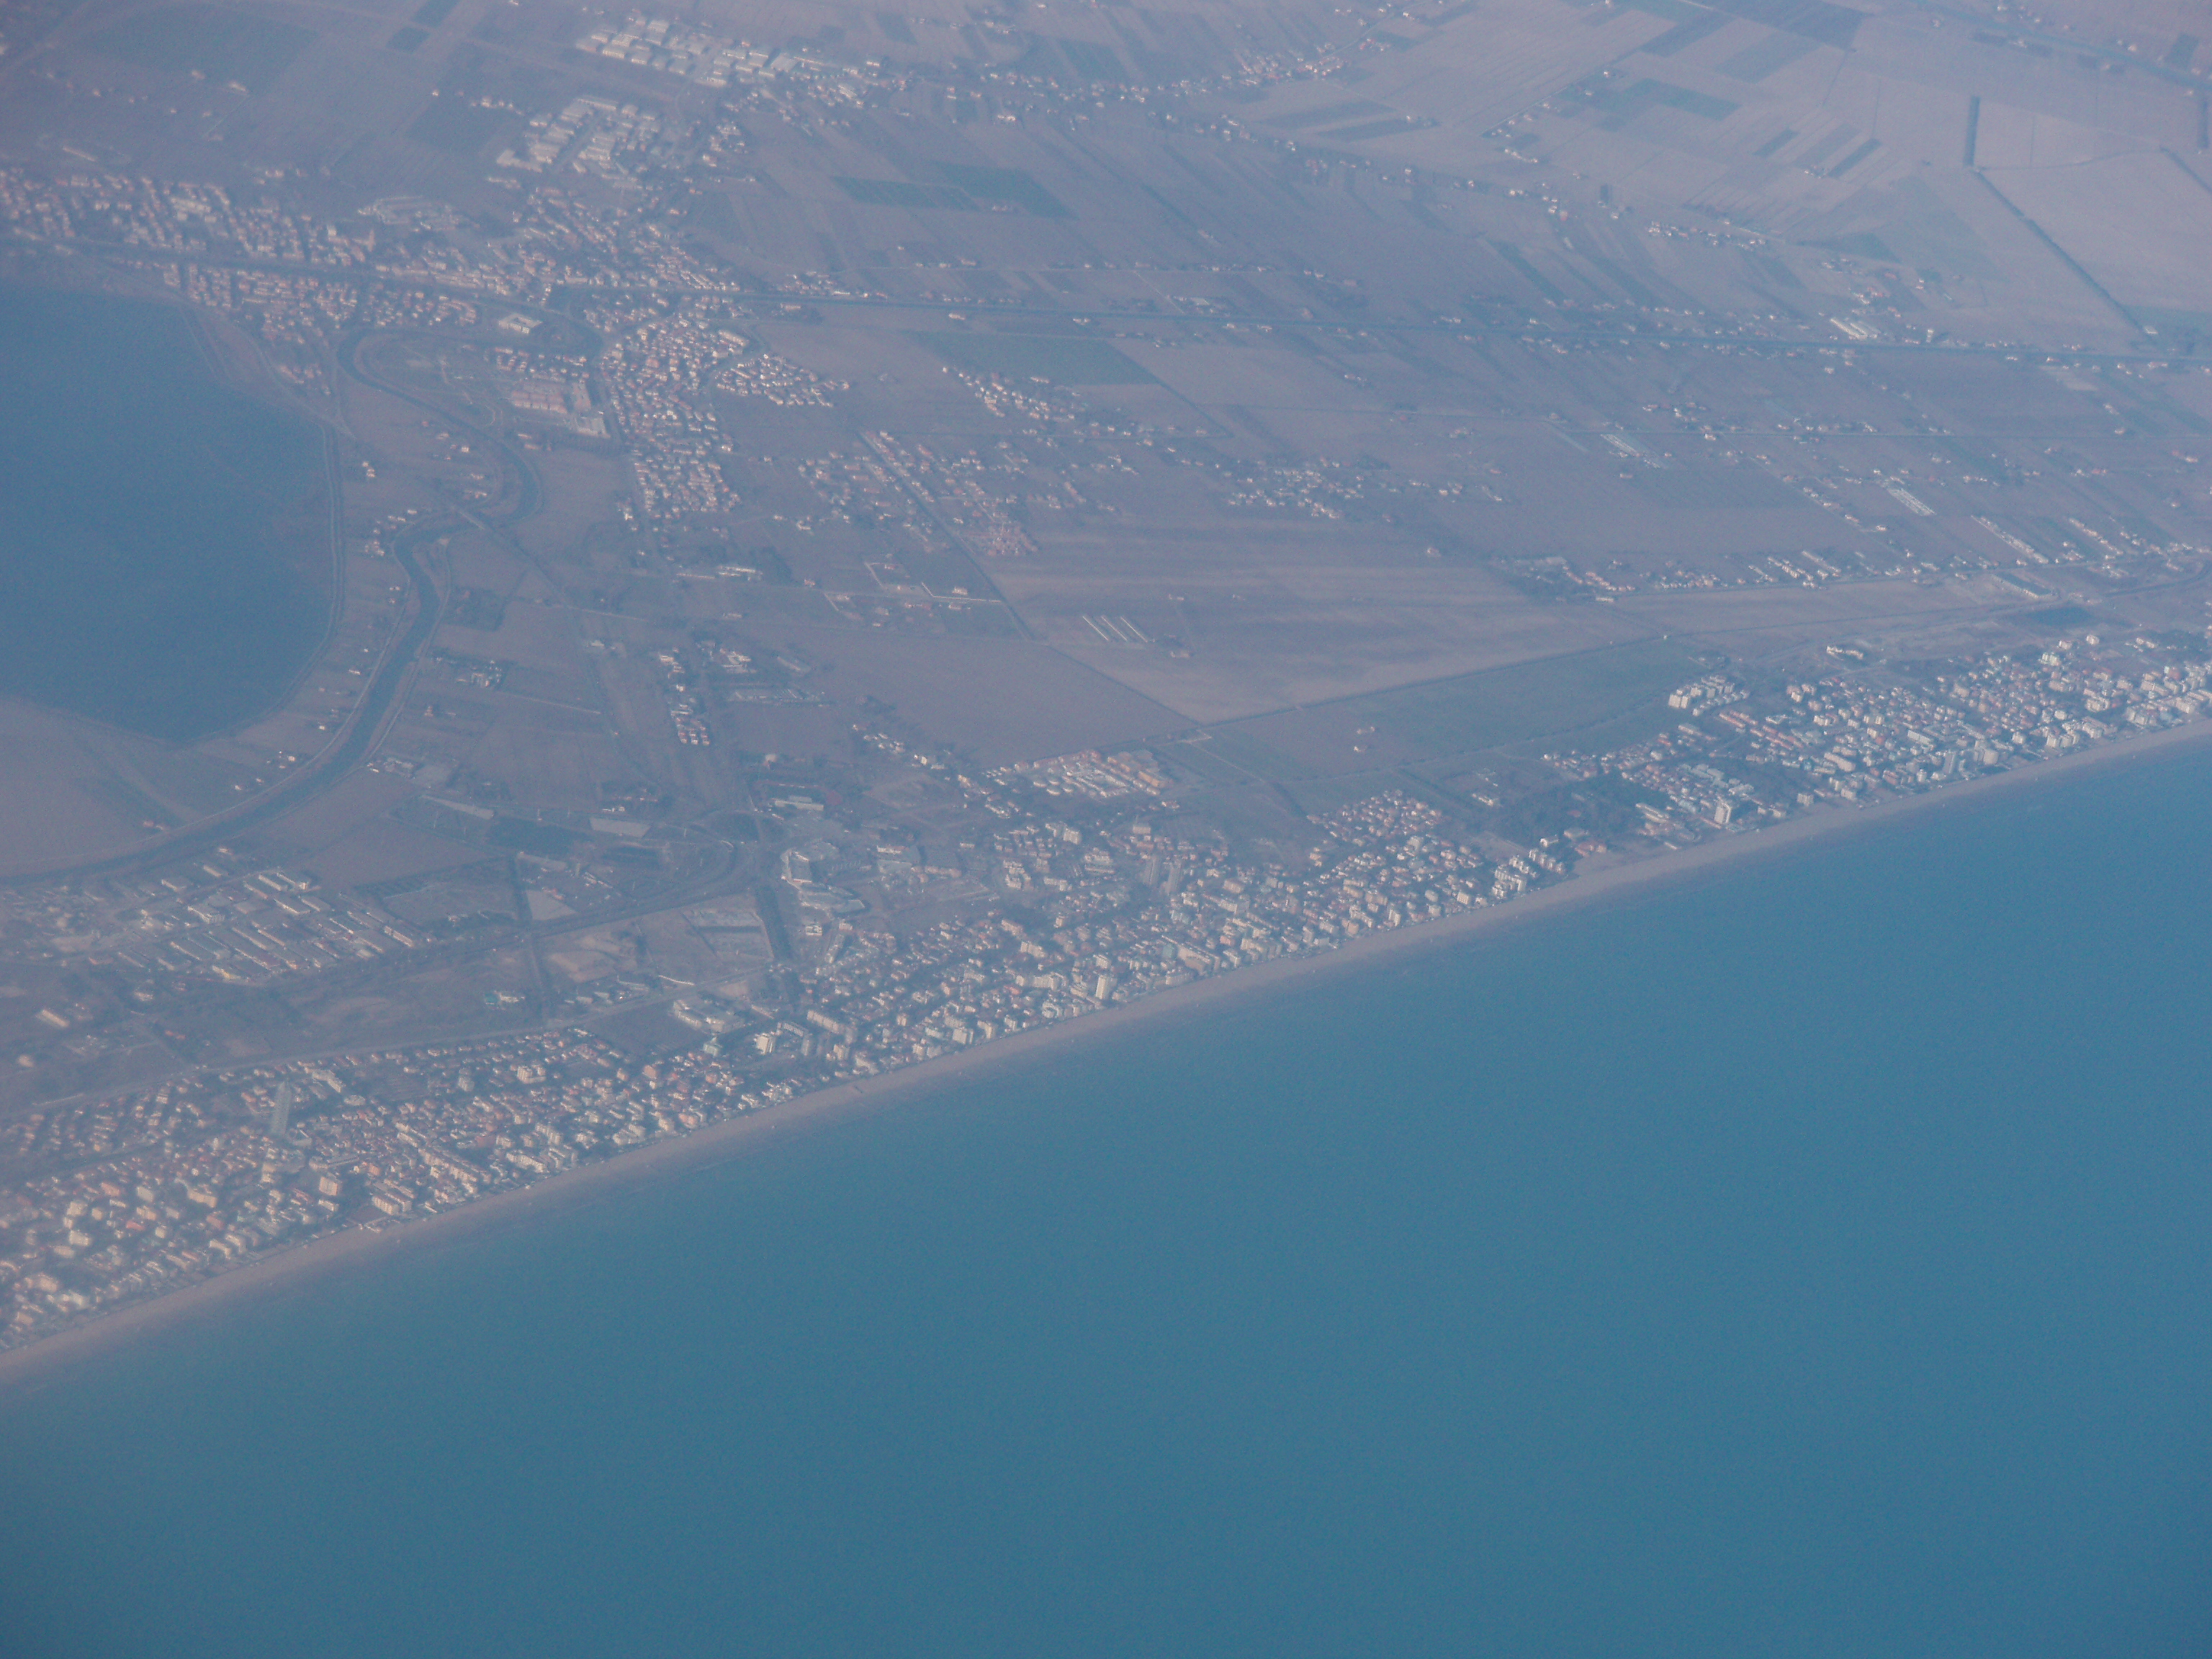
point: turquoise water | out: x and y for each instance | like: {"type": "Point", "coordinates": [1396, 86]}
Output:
{"type": "Point", "coordinates": [1818, 1263]}
{"type": "Point", "coordinates": [165, 549]}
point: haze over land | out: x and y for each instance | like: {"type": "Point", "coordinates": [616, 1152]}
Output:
{"type": "Point", "coordinates": [848, 534]}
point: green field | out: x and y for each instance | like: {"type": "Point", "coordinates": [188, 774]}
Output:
{"type": "Point", "coordinates": [1705, 488]}
{"type": "Point", "coordinates": [223, 45]}
{"type": "Point", "coordinates": [1200, 757]}
{"type": "Point", "coordinates": [458, 127]}
{"type": "Point", "coordinates": [1008, 184]}
{"type": "Point", "coordinates": [1095, 63]}
{"type": "Point", "coordinates": [1239, 757]}
{"type": "Point", "coordinates": [1067, 361]}
{"type": "Point", "coordinates": [899, 192]}
{"type": "Point", "coordinates": [1318, 797]}
{"type": "Point", "coordinates": [1556, 697]}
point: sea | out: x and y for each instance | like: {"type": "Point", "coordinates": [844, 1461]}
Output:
{"type": "Point", "coordinates": [1814, 1262]}
{"type": "Point", "coordinates": [165, 557]}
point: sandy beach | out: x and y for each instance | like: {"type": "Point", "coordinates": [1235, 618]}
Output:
{"type": "Point", "coordinates": [365, 1249]}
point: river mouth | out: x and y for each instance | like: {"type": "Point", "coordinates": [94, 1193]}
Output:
{"type": "Point", "coordinates": [165, 556]}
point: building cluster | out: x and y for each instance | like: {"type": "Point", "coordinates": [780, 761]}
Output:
{"type": "Point", "coordinates": [130, 1197]}
{"type": "Point", "coordinates": [117, 1199]}
{"type": "Point", "coordinates": [221, 922]}
{"type": "Point", "coordinates": [388, 307]}
{"type": "Point", "coordinates": [1850, 735]}
{"type": "Point", "coordinates": [860, 488]}
{"type": "Point", "coordinates": [1040, 401]}
{"type": "Point", "coordinates": [1800, 567]}
{"type": "Point", "coordinates": [1314, 489]}
{"type": "Point", "coordinates": [2111, 550]}
{"type": "Point", "coordinates": [1090, 773]}
{"type": "Point", "coordinates": [952, 486]}
{"type": "Point", "coordinates": [676, 48]}
{"type": "Point", "coordinates": [659, 377]}
{"type": "Point", "coordinates": [589, 134]}
{"type": "Point", "coordinates": [2075, 693]}
{"type": "Point", "coordinates": [278, 305]}
{"type": "Point", "coordinates": [1041, 920]}
{"type": "Point", "coordinates": [407, 263]}
{"type": "Point", "coordinates": [166, 216]}
{"type": "Point", "coordinates": [777, 380]}
{"type": "Point", "coordinates": [1697, 793]}
{"type": "Point", "coordinates": [683, 694]}
{"type": "Point", "coordinates": [412, 267]}
{"type": "Point", "coordinates": [555, 391]}
{"type": "Point", "coordinates": [1132, 911]}
{"type": "Point", "coordinates": [1713, 691]}
{"type": "Point", "coordinates": [302, 310]}
{"type": "Point", "coordinates": [201, 1174]}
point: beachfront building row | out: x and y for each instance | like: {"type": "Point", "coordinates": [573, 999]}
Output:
{"type": "Point", "coordinates": [125, 1197]}
{"type": "Point", "coordinates": [199, 1173]}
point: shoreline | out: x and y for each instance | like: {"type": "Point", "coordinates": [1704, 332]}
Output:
{"type": "Point", "coordinates": [362, 1248]}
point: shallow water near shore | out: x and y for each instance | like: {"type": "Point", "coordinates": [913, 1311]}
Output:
{"type": "Point", "coordinates": [1816, 1262]}
{"type": "Point", "coordinates": [165, 541]}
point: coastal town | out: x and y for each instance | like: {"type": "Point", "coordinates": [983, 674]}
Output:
{"type": "Point", "coordinates": [129, 1197]}
{"type": "Point", "coordinates": [838, 542]}
{"type": "Point", "coordinates": [1031, 827]}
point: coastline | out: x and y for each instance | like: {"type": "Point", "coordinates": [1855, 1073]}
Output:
{"type": "Point", "coordinates": [360, 1249]}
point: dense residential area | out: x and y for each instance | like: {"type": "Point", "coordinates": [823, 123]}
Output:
{"type": "Point", "coordinates": [1056, 919]}
{"type": "Point", "coordinates": [830, 542]}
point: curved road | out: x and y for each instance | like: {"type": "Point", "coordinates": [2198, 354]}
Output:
{"type": "Point", "coordinates": [326, 768]}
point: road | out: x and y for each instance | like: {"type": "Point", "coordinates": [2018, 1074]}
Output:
{"type": "Point", "coordinates": [326, 769]}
